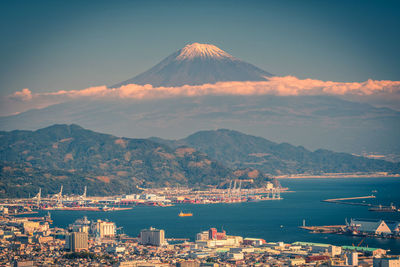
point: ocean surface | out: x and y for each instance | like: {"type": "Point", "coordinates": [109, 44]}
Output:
{"type": "Point", "coordinates": [277, 220]}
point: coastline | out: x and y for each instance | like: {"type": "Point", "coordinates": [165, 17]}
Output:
{"type": "Point", "coordinates": [337, 175]}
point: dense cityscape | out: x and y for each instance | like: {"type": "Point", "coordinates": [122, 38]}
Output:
{"type": "Point", "coordinates": [32, 241]}
{"type": "Point", "coordinates": [213, 133]}
{"type": "Point", "coordinates": [26, 242]}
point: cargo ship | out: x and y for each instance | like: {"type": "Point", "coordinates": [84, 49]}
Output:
{"type": "Point", "coordinates": [105, 208]}
{"type": "Point", "coordinates": [181, 214]}
{"type": "Point", "coordinates": [73, 208]}
{"type": "Point", "coordinates": [381, 208]}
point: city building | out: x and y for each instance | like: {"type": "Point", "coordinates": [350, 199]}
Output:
{"type": "Point", "coordinates": [386, 262]}
{"type": "Point", "coordinates": [103, 229]}
{"type": "Point", "coordinates": [202, 236]}
{"type": "Point", "coordinates": [77, 241]}
{"type": "Point", "coordinates": [370, 226]}
{"type": "Point", "coordinates": [152, 236]}
{"type": "Point", "coordinates": [213, 234]}
{"type": "Point", "coordinates": [322, 248]}
{"type": "Point", "coordinates": [253, 241]}
{"type": "Point", "coordinates": [352, 258]}
{"type": "Point", "coordinates": [394, 227]}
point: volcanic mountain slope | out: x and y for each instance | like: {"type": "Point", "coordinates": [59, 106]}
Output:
{"type": "Point", "coordinates": [238, 150]}
{"type": "Point", "coordinates": [197, 64]}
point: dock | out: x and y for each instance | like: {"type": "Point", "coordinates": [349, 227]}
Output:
{"type": "Point", "coordinates": [349, 198]}
{"type": "Point", "coordinates": [327, 229]}
{"type": "Point", "coordinates": [372, 207]}
{"type": "Point", "coordinates": [343, 200]}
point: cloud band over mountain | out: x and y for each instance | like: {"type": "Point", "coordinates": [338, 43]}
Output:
{"type": "Point", "coordinates": [283, 86]}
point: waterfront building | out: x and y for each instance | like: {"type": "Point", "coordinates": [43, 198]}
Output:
{"type": "Point", "coordinates": [228, 241]}
{"type": "Point", "coordinates": [269, 186]}
{"type": "Point", "coordinates": [131, 197]}
{"type": "Point", "coordinates": [370, 226]}
{"type": "Point", "coordinates": [153, 197]}
{"type": "Point", "coordinates": [394, 227]}
{"type": "Point", "coordinates": [253, 241]}
{"type": "Point", "coordinates": [103, 229]}
{"type": "Point", "coordinates": [152, 236]}
{"type": "Point", "coordinates": [213, 234]}
{"type": "Point", "coordinates": [213, 238]}
{"type": "Point", "coordinates": [202, 236]}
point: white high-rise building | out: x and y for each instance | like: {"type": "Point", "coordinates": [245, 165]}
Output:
{"type": "Point", "coordinates": [152, 236]}
{"type": "Point", "coordinates": [103, 228]}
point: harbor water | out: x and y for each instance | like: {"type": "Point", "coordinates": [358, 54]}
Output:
{"type": "Point", "coordinates": [274, 220]}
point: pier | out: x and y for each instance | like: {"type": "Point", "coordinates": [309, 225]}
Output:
{"type": "Point", "coordinates": [349, 198]}
{"type": "Point", "coordinates": [326, 229]}
{"type": "Point", "coordinates": [390, 208]}
{"type": "Point", "coordinates": [343, 200]}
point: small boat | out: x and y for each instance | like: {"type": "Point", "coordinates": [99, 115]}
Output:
{"type": "Point", "coordinates": [181, 214]}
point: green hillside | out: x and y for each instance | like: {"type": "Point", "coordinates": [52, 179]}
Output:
{"type": "Point", "coordinates": [238, 150]}
{"type": "Point", "coordinates": [75, 157]}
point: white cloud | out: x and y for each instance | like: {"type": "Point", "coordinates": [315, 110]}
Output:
{"type": "Point", "coordinates": [23, 95]}
{"type": "Point", "coordinates": [284, 86]}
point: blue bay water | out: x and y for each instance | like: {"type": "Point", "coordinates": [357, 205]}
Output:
{"type": "Point", "coordinates": [272, 220]}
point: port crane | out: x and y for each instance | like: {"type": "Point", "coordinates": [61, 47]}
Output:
{"type": "Point", "coordinates": [83, 196]}
{"type": "Point", "coordinates": [275, 193]}
{"type": "Point", "coordinates": [38, 197]}
{"type": "Point", "coordinates": [59, 196]}
{"type": "Point", "coordinates": [236, 189]}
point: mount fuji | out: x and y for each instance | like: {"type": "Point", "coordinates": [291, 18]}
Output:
{"type": "Point", "coordinates": [197, 64]}
{"type": "Point", "coordinates": [313, 121]}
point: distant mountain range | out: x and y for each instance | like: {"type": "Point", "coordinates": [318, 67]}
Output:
{"type": "Point", "coordinates": [75, 157]}
{"type": "Point", "coordinates": [237, 150]}
{"type": "Point", "coordinates": [313, 121]}
{"type": "Point", "coordinates": [198, 64]}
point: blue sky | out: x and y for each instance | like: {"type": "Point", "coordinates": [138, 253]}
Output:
{"type": "Point", "coordinates": [62, 45]}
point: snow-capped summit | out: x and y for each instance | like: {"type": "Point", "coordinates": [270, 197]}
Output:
{"type": "Point", "coordinates": [194, 50]}
{"type": "Point", "coordinates": [197, 64]}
